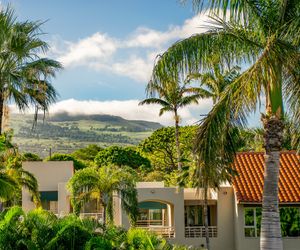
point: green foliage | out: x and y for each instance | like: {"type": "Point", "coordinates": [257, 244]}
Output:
{"type": "Point", "coordinates": [30, 157]}
{"type": "Point", "coordinates": [70, 235]}
{"type": "Point", "coordinates": [66, 157]}
{"type": "Point", "coordinates": [98, 243]}
{"type": "Point", "coordinates": [42, 230]}
{"type": "Point", "coordinates": [88, 153]}
{"type": "Point", "coordinates": [160, 147]}
{"type": "Point", "coordinates": [122, 156]}
{"type": "Point", "coordinates": [12, 175]}
{"type": "Point", "coordinates": [100, 184]}
{"type": "Point", "coordinates": [139, 239]}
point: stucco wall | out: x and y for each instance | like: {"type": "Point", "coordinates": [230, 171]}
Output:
{"type": "Point", "coordinates": [51, 176]}
{"type": "Point", "coordinates": [225, 225]}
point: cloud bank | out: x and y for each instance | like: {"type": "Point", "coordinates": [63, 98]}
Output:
{"type": "Point", "coordinates": [128, 109]}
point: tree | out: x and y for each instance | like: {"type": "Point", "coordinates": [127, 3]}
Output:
{"type": "Point", "coordinates": [160, 147]}
{"type": "Point", "coordinates": [265, 36]}
{"type": "Point", "coordinates": [24, 75]}
{"type": "Point", "coordinates": [172, 94]}
{"type": "Point", "coordinates": [67, 157]}
{"type": "Point", "coordinates": [88, 153]}
{"type": "Point", "coordinates": [122, 156]}
{"type": "Point", "coordinates": [102, 183]}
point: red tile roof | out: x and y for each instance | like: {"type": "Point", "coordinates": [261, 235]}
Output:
{"type": "Point", "coordinates": [248, 185]}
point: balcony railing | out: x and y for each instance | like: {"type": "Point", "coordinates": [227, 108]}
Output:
{"type": "Point", "coordinates": [164, 231]}
{"type": "Point", "coordinates": [148, 223]}
{"type": "Point", "coordinates": [96, 216]}
{"type": "Point", "coordinates": [199, 231]}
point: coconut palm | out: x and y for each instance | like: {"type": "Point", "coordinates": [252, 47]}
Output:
{"type": "Point", "coordinates": [173, 95]}
{"type": "Point", "coordinates": [24, 75]}
{"type": "Point", "coordinates": [216, 79]}
{"type": "Point", "coordinates": [206, 175]}
{"type": "Point", "coordinates": [102, 184]}
{"type": "Point", "coordinates": [264, 35]}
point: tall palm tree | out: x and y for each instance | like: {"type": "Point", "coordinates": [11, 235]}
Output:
{"type": "Point", "coordinates": [24, 75]}
{"type": "Point", "coordinates": [173, 95]}
{"type": "Point", "coordinates": [264, 35]}
{"type": "Point", "coordinates": [101, 184]}
{"type": "Point", "coordinates": [206, 176]}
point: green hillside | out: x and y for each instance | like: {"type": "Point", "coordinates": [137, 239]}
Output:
{"type": "Point", "coordinates": [65, 133]}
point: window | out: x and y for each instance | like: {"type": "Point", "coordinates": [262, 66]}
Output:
{"type": "Point", "coordinates": [194, 215]}
{"type": "Point", "coordinates": [289, 218]}
{"type": "Point", "coordinates": [252, 219]}
{"type": "Point", "coordinates": [50, 206]}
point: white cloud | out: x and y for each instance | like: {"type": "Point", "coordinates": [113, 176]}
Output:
{"type": "Point", "coordinates": [98, 47]}
{"type": "Point", "coordinates": [128, 109]}
{"type": "Point", "coordinates": [131, 57]}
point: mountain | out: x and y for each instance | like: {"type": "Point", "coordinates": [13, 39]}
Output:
{"type": "Point", "coordinates": [65, 133]}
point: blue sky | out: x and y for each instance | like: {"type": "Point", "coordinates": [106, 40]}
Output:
{"type": "Point", "coordinates": [108, 48]}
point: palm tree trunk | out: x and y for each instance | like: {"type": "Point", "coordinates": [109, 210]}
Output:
{"type": "Point", "coordinates": [177, 139]}
{"type": "Point", "coordinates": [206, 216]}
{"type": "Point", "coordinates": [270, 236]}
{"type": "Point", "coordinates": [104, 214]}
{"type": "Point", "coordinates": [1, 112]}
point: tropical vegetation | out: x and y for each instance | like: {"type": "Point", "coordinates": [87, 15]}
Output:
{"type": "Point", "coordinates": [101, 184]}
{"type": "Point", "coordinates": [40, 229]}
{"type": "Point", "coordinates": [173, 94]}
{"type": "Point", "coordinates": [24, 75]}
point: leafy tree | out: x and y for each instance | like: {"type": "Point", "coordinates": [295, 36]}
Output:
{"type": "Point", "coordinates": [88, 153]}
{"type": "Point", "coordinates": [160, 147]}
{"type": "Point", "coordinates": [101, 183]}
{"type": "Point", "coordinates": [122, 156]}
{"type": "Point", "coordinates": [173, 94]}
{"type": "Point", "coordinates": [265, 36]}
{"type": "Point", "coordinates": [67, 157]}
{"type": "Point", "coordinates": [24, 75]}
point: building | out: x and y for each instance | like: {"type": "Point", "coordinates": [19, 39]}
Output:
{"type": "Point", "coordinates": [177, 214]}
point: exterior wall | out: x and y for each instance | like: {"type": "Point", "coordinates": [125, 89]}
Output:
{"type": "Point", "coordinates": [246, 243]}
{"type": "Point", "coordinates": [225, 225]}
{"type": "Point", "coordinates": [51, 176]}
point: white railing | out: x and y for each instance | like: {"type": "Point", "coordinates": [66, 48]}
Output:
{"type": "Point", "coordinates": [167, 232]}
{"type": "Point", "coordinates": [149, 223]}
{"type": "Point", "coordinates": [96, 216]}
{"type": "Point", "coordinates": [199, 231]}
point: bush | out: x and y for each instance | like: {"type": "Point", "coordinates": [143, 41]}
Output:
{"type": "Point", "coordinates": [42, 230]}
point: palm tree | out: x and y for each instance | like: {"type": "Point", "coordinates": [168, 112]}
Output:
{"type": "Point", "coordinates": [24, 75]}
{"type": "Point", "coordinates": [216, 79]}
{"type": "Point", "coordinates": [101, 184]}
{"type": "Point", "coordinates": [264, 35]}
{"type": "Point", "coordinates": [172, 95]}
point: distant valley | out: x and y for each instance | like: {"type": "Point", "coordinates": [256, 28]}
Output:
{"type": "Point", "coordinates": [65, 133]}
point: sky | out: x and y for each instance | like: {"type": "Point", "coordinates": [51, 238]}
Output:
{"type": "Point", "coordinates": [108, 49]}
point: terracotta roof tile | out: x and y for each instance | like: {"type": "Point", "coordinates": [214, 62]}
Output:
{"type": "Point", "coordinates": [248, 185]}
